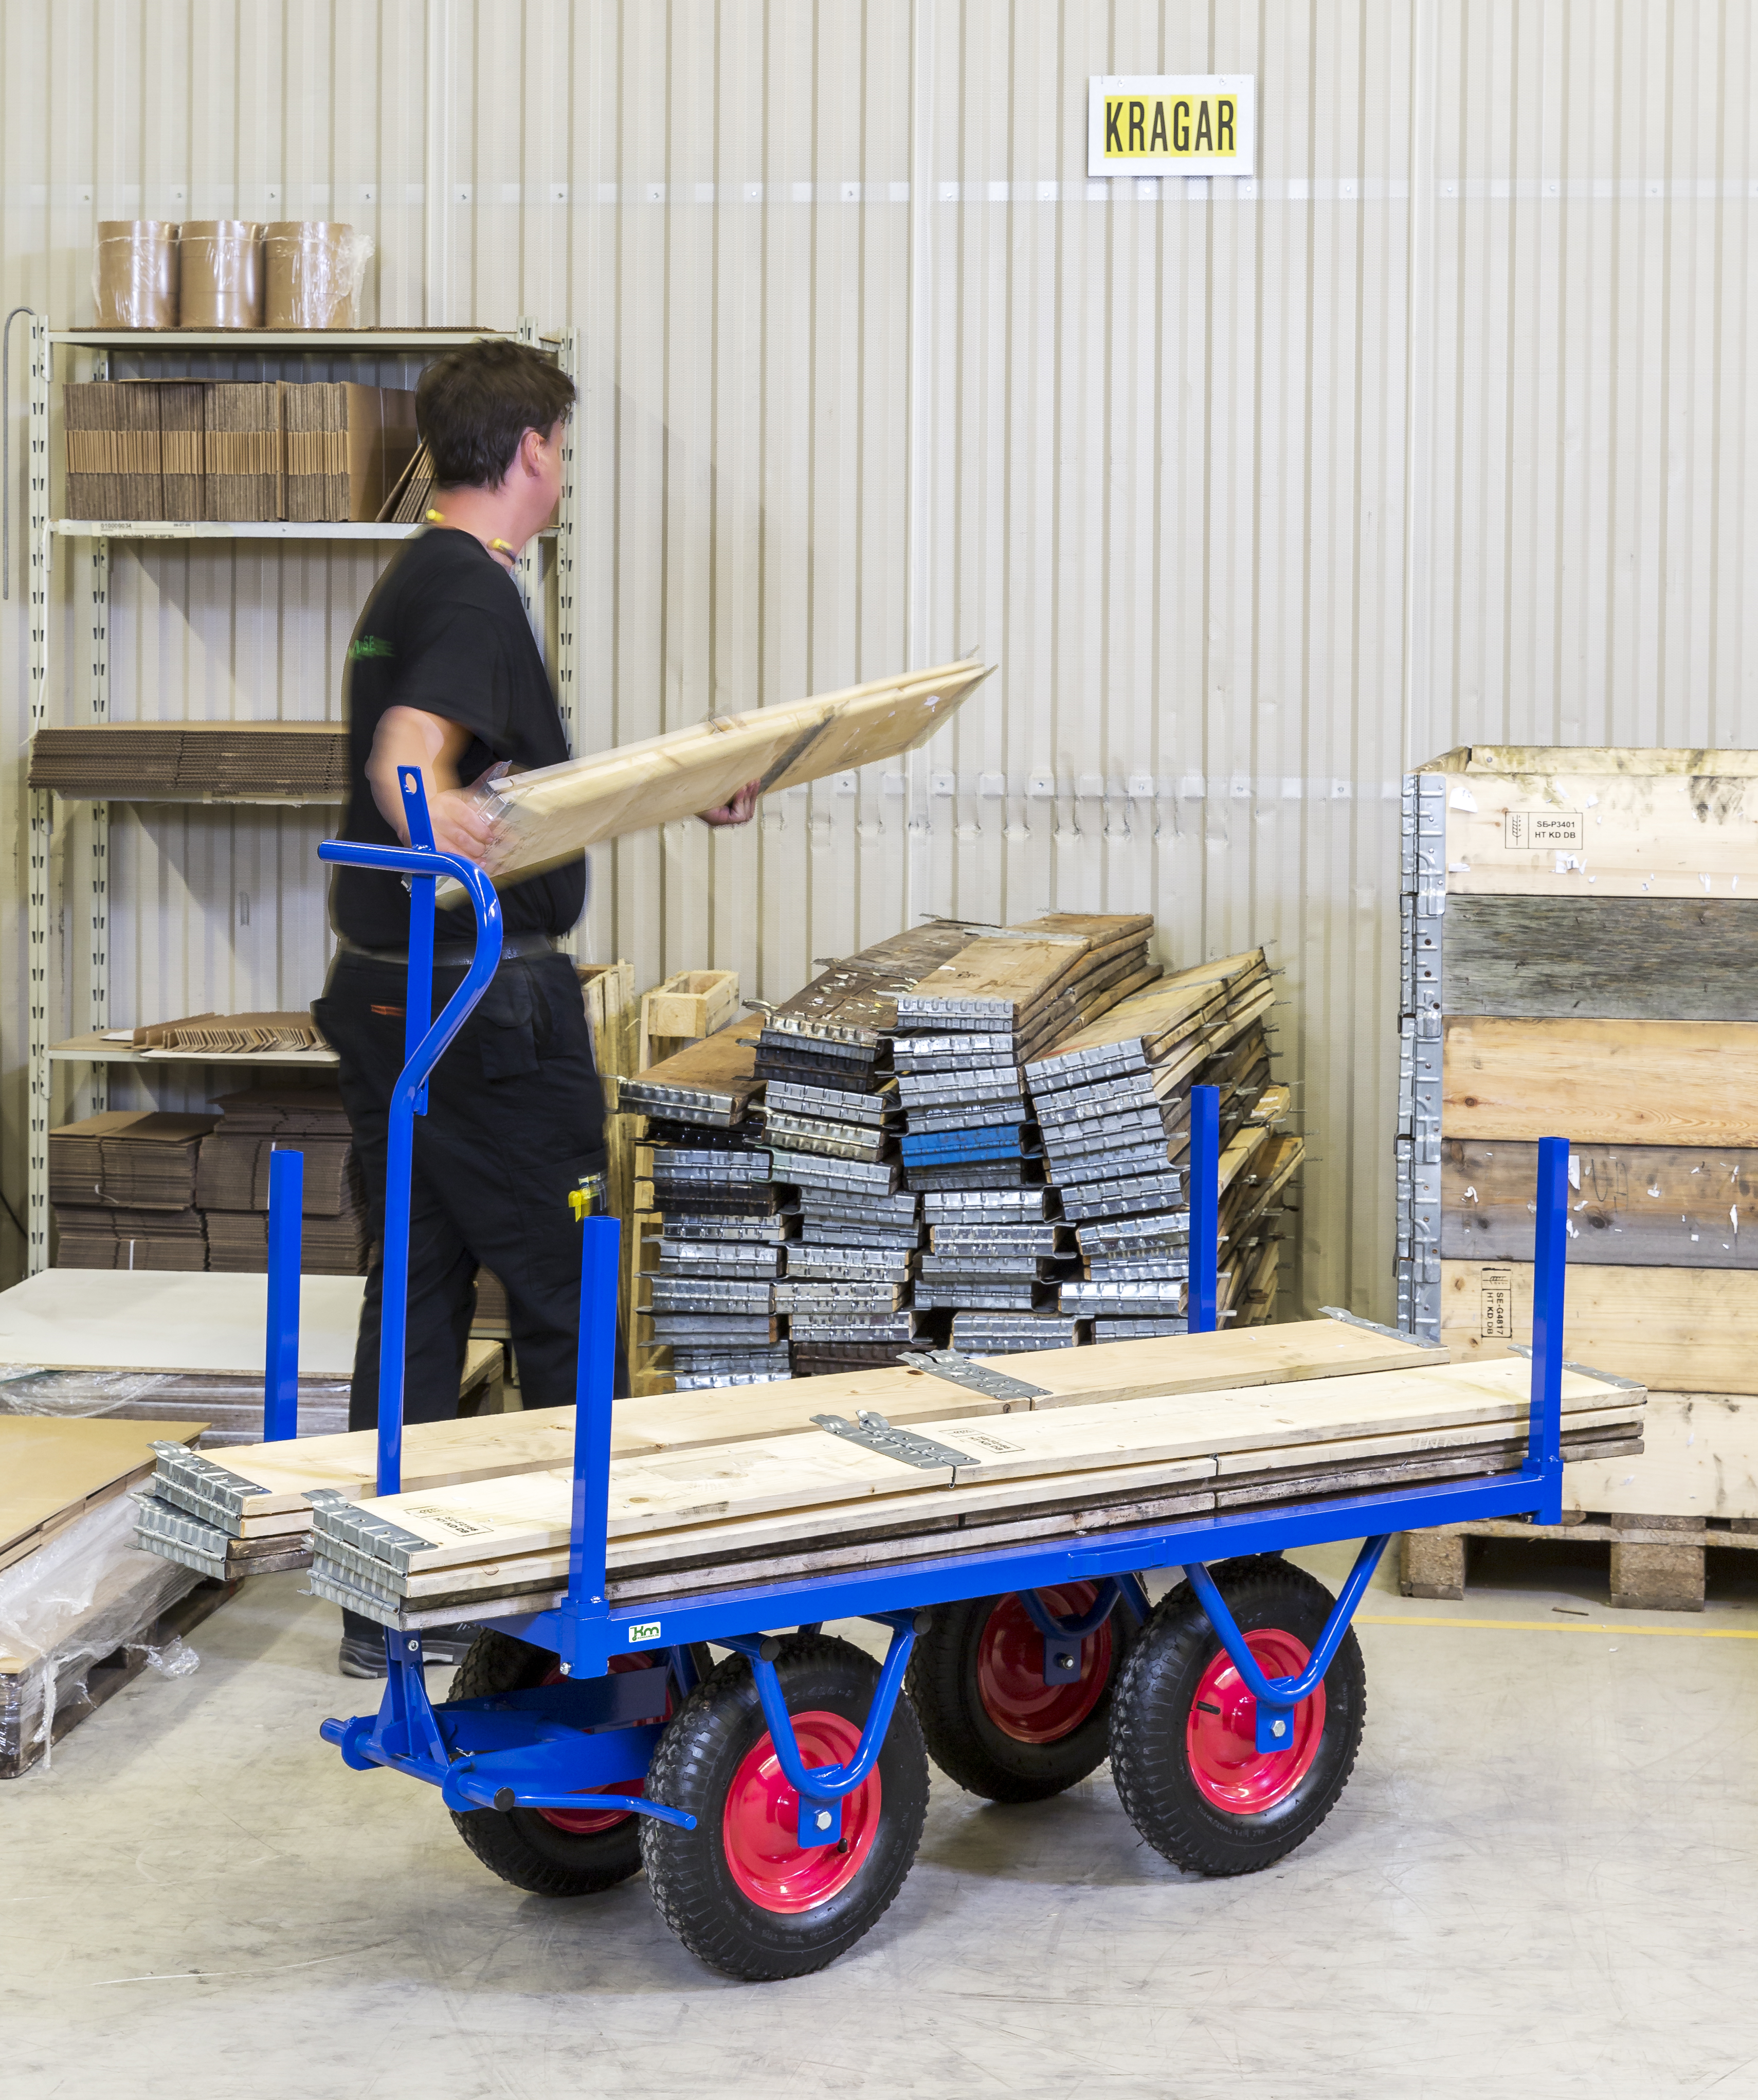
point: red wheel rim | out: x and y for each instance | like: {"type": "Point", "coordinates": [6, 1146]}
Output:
{"type": "Point", "coordinates": [587, 1822]}
{"type": "Point", "coordinates": [1220, 1737]}
{"type": "Point", "coordinates": [1009, 1669]}
{"type": "Point", "coordinates": [759, 1830]}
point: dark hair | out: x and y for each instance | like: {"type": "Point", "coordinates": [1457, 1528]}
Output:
{"type": "Point", "coordinates": [474, 405]}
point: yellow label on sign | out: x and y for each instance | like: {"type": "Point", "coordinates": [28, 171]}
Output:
{"type": "Point", "coordinates": [1155, 127]}
{"type": "Point", "coordinates": [1171, 124]}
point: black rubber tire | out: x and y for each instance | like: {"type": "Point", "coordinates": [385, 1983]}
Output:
{"type": "Point", "coordinates": [699, 1755]}
{"type": "Point", "coordinates": [517, 1843]}
{"type": "Point", "coordinates": [1150, 1760]}
{"type": "Point", "coordinates": [963, 1738]}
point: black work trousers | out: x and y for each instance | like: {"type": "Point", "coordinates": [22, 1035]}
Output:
{"type": "Point", "coordinates": [515, 1119]}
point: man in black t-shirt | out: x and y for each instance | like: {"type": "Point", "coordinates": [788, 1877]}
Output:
{"type": "Point", "coordinates": [445, 674]}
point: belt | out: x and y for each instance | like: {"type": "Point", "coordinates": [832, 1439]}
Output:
{"type": "Point", "coordinates": [514, 948]}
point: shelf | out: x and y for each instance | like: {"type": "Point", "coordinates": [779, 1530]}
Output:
{"type": "Point", "coordinates": [177, 528]}
{"type": "Point", "coordinates": [100, 1050]}
{"type": "Point", "coordinates": [267, 528]}
{"type": "Point", "coordinates": [171, 340]}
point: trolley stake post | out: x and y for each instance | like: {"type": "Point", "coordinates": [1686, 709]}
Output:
{"type": "Point", "coordinates": [1204, 1208]}
{"type": "Point", "coordinates": [585, 1614]}
{"type": "Point", "coordinates": [280, 1376]}
{"type": "Point", "coordinates": [1544, 1461]}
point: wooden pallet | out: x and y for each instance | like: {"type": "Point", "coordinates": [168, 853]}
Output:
{"type": "Point", "coordinates": [1657, 1562]}
{"type": "Point", "coordinates": [103, 1679]}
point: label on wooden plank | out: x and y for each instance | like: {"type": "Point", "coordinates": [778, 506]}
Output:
{"type": "Point", "coordinates": [1495, 1305]}
{"type": "Point", "coordinates": [1539, 830]}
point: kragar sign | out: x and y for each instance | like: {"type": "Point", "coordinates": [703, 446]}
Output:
{"type": "Point", "coordinates": [1172, 124]}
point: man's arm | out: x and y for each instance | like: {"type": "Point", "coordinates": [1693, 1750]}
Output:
{"type": "Point", "coordinates": [408, 736]}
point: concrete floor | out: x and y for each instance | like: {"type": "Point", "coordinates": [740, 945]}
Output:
{"type": "Point", "coordinates": [1542, 1880]}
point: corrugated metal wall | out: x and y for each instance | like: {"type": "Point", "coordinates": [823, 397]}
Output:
{"type": "Point", "coordinates": [1437, 430]}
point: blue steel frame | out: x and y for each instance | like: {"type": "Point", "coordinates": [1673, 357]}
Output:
{"type": "Point", "coordinates": [596, 1732]}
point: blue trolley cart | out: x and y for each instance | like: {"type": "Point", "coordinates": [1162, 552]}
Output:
{"type": "Point", "coordinates": [776, 1798]}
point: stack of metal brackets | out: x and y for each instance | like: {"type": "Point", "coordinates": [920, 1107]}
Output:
{"type": "Point", "coordinates": [1422, 904]}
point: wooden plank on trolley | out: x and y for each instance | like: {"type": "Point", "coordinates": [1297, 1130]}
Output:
{"type": "Point", "coordinates": [491, 1520]}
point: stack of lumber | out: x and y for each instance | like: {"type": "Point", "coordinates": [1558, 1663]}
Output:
{"type": "Point", "coordinates": [232, 1182]}
{"type": "Point", "coordinates": [193, 761]}
{"type": "Point", "coordinates": [815, 1502]}
{"type": "Point", "coordinates": [1580, 933]}
{"type": "Point", "coordinates": [82, 1610]}
{"type": "Point", "coordinates": [1113, 1103]}
{"type": "Point", "coordinates": [237, 1499]}
{"type": "Point", "coordinates": [122, 1184]}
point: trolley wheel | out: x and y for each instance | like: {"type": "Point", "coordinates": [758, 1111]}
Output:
{"type": "Point", "coordinates": [546, 1852]}
{"type": "Point", "coordinates": [976, 1678]}
{"type": "Point", "coordinates": [1182, 1725]}
{"type": "Point", "coordinates": [739, 1890]}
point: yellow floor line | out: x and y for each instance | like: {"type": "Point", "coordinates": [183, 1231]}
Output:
{"type": "Point", "coordinates": [1558, 1626]}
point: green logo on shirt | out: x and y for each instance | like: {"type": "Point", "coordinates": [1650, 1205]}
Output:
{"type": "Point", "coordinates": [368, 645]}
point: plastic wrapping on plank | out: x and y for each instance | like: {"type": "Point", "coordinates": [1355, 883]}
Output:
{"type": "Point", "coordinates": [30, 1389]}
{"type": "Point", "coordinates": [135, 273]}
{"type": "Point", "coordinates": [86, 1593]}
{"type": "Point", "coordinates": [556, 811]}
{"type": "Point", "coordinates": [315, 270]}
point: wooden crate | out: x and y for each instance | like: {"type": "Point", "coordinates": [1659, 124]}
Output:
{"type": "Point", "coordinates": [1580, 927]}
{"type": "Point", "coordinates": [687, 1006]}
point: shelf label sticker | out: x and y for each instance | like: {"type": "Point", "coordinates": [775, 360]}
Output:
{"type": "Point", "coordinates": [1171, 124]}
{"type": "Point", "coordinates": [647, 1630]}
{"type": "Point", "coordinates": [1544, 831]}
{"type": "Point", "coordinates": [1495, 1305]}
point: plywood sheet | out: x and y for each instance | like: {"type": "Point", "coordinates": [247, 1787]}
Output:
{"type": "Point", "coordinates": [1638, 1206]}
{"type": "Point", "coordinates": [152, 1320]}
{"type": "Point", "coordinates": [1671, 1330]}
{"type": "Point", "coordinates": [1601, 1082]}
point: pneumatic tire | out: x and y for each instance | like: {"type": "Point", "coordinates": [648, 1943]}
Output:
{"type": "Point", "coordinates": [739, 1890]}
{"type": "Point", "coordinates": [990, 1722]}
{"type": "Point", "coordinates": [1182, 1751]}
{"type": "Point", "coordinates": [543, 1851]}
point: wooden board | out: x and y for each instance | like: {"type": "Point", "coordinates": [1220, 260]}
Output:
{"type": "Point", "coordinates": [1635, 1205]}
{"type": "Point", "coordinates": [557, 811]}
{"type": "Point", "coordinates": [1640, 834]}
{"type": "Point", "coordinates": [1181, 1438]}
{"type": "Point", "coordinates": [1156, 1016]}
{"type": "Point", "coordinates": [1673, 1329]}
{"type": "Point", "coordinates": [1699, 1459]}
{"type": "Point", "coordinates": [156, 1320]}
{"type": "Point", "coordinates": [1602, 1082]}
{"type": "Point", "coordinates": [53, 1470]}
{"type": "Point", "coordinates": [1604, 958]}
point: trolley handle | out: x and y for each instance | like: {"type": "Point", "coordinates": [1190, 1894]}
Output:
{"type": "Point", "coordinates": [425, 1042]}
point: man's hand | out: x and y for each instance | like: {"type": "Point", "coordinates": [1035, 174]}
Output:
{"type": "Point", "coordinates": [740, 810]}
{"type": "Point", "coordinates": [407, 736]}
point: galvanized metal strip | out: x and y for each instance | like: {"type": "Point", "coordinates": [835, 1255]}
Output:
{"type": "Point", "coordinates": [874, 1433]}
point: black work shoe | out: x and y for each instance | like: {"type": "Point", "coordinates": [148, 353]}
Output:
{"type": "Point", "coordinates": [363, 1655]}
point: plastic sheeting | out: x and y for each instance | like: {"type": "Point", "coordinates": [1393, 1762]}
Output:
{"type": "Point", "coordinates": [64, 1608]}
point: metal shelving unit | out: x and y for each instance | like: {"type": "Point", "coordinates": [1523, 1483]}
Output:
{"type": "Point", "coordinates": [92, 540]}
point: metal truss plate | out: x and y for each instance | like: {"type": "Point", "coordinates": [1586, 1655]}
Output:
{"type": "Point", "coordinates": [876, 1434]}
{"type": "Point", "coordinates": [337, 1518]}
{"type": "Point", "coordinates": [952, 1364]}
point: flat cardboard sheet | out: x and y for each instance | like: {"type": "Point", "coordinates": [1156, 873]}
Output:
{"type": "Point", "coordinates": [52, 1470]}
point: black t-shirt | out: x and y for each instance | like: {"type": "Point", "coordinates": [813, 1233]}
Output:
{"type": "Point", "coordinates": [445, 631]}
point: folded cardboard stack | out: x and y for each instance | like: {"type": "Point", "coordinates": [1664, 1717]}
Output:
{"type": "Point", "coordinates": [232, 1181]}
{"type": "Point", "coordinates": [122, 1184]}
{"type": "Point", "coordinates": [193, 761]}
{"type": "Point", "coordinates": [236, 452]}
